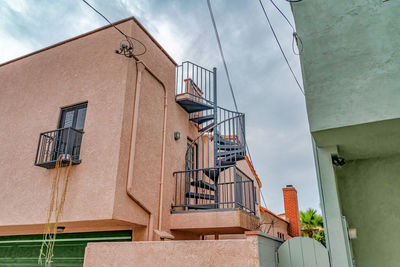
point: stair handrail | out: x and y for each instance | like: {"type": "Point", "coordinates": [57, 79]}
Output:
{"type": "Point", "coordinates": [187, 61]}
{"type": "Point", "coordinates": [209, 130]}
{"type": "Point", "coordinates": [198, 96]}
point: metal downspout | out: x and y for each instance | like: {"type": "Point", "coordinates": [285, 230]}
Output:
{"type": "Point", "coordinates": [140, 66]}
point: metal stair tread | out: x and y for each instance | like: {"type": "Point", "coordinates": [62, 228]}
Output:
{"type": "Point", "coordinates": [202, 206]}
{"type": "Point", "coordinates": [203, 185]}
{"type": "Point", "coordinates": [199, 196]}
{"type": "Point", "coordinates": [230, 147]}
{"type": "Point", "coordinates": [206, 128]}
{"type": "Point", "coordinates": [229, 153]}
{"type": "Point", "coordinates": [191, 105]}
{"type": "Point", "coordinates": [202, 119]}
{"type": "Point", "coordinates": [214, 173]}
{"type": "Point", "coordinates": [222, 140]}
{"type": "Point", "coordinates": [224, 161]}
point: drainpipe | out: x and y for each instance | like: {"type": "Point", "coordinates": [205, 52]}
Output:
{"type": "Point", "coordinates": [140, 66]}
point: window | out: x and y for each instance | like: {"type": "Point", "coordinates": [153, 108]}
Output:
{"type": "Point", "coordinates": [281, 236]}
{"type": "Point", "coordinates": [70, 128]}
{"type": "Point", "coordinates": [73, 116]}
{"type": "Point", "coordinates": [191, 156]}
{"type": "Point", "coordinates": [239, 190]}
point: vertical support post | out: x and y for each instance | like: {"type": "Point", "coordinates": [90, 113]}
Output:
{"type": "Point", "coordinates": [215, 114]}
{"type": "Point", "coordinates": [234, 188]}
{"type": "Point", "coordinates": [68, 144]}
{"type": "Point", "coordinates": [337, 243]}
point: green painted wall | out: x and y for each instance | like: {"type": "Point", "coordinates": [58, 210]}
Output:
{"type": "Point", "coordinates": [69, 249]}
{"type": "Point", "coordinates": [351, 71]}
{"type": "Point", "coordinates": [370, 200]}
{"type": "Point", "coordinates": [267, 250]}
{"type": "Point", "coordinates": [351, 60]}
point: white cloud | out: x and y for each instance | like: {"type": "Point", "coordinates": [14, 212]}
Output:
{"type": "Point", "coordinates": [12, 48]}
{"type": "Point", "coordinates": [20, 6]}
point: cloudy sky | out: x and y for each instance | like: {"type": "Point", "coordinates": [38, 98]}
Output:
{"type": "Point", "coordinates": [276, 119]}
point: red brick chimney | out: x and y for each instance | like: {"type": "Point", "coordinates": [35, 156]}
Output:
{"type": "Point", "coordinates": [292, 210]}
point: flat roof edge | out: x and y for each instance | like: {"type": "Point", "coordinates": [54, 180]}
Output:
{"type": "Point", "coordinates": [91, 32]}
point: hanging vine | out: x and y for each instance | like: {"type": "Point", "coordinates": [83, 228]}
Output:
{"type": "Point", "coordinates": [57, 199]}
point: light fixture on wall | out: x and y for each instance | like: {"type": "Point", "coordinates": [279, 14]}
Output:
{"type": "Point", "coordinates": [177, 135]}
{"type": "Point", "coordinates": [338, 161]}
{"type": "Point", "coordinates": [60, 229]}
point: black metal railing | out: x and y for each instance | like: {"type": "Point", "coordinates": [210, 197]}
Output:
{"type": "Point", "coordinates": [52, 144]}
{"type": "Point", "coordinates": [230, 189]}
{"type": "Point", "coordinates": [195, 81]}
{"type": "Point", "coordinates": [223, 143]}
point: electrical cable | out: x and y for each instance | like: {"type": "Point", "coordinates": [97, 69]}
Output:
{"type": "Point", "coordinates": [127, 37]}
{"type": "Point", "coordinates": [280, 47]}
{"type": "Point", "coordinates": [229, 80]}
{"type": "Point", "coordinates": [262, 196]}
{"type": "Point", "coordinates": [226, 68]}
{"type": "Point", "coordinates": [295, 35]}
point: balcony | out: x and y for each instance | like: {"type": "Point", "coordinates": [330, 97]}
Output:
{"type": "Point", "coordinates": [217, 189]}
{"type": "Point", "coordinates": [52, 144]}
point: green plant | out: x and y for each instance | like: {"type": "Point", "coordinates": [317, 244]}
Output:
{"type": "Point", "coordinates": [320, 236]}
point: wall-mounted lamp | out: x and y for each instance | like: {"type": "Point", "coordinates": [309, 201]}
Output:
{"type": "Point", "coordinates": [60, 229]}
{"type": "Point", "coordinates": [338, 161]}
{"type": "Point", "coordinates": [177, 135]}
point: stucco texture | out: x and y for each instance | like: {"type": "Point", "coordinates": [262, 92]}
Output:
{"type": "Point", "coordinates": [256, 249]}
{"type": "Point", "coordinates": [86, 69]}
{"type": "Point", "coordinates": [173, 253]}
{"type": "Point", "coordinates": [370, 201]}
{"type": "Point", "coordinates": [350, 60]}
{"type": "Point", "coordinates": [125, 180]}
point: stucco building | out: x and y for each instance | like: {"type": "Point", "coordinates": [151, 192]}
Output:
{"type": "Point", "coordinates": [350, 66]}
{"type": "Point", "coordinates": [153, 156]}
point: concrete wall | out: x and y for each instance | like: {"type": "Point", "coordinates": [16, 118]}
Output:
{"type": "Point", "coordinates": [350, 67]}
{"type": "Point", "coordinates": [122, 148]}
{"type": "Point", "coordinates": [33, 90]}
{"type": "Point", "coordinates": [256, 250]}
{"type": "Point", "coordinates": [370, 201]}
{"type": "Point", "coordinates": [350, 60]}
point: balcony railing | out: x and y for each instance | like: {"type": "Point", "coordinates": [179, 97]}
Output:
{"type": "Point", "coordinates": [196, 190]}
{"type": "Point", "coordinates": [195, 81]}
{"type": "Point", "coordinates": [52, 144]}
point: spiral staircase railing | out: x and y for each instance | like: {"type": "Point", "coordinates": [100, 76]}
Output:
{"type": "Point", "coordinates": [211, 179]}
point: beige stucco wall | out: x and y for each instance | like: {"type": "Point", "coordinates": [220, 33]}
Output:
{"type": "Point", "coordinates": [86, 69]}
{"type": "Point", "coordinates": [174, 253]}
{"type": "Point", "coordinates": [277, 226]}
{"type": "Point", "coordinates": [33, 90]}
{"type": "Point", "coordinates": [255, 249]}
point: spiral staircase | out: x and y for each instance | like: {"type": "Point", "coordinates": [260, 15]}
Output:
{"type": "Point", "coordinates": [210, 179]}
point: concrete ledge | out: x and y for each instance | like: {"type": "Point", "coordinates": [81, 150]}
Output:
{"type": "Point", "coordinates": [257, 249]}
{"type": "Point", "coordinates": [222, 222]}
{"type": "Point", "coordinates": [173, 253]}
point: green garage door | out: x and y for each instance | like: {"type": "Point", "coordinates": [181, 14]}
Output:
{"type": "Point", "coordinates": [69, 249]}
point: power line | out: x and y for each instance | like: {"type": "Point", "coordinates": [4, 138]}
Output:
{"type": "Point", "coordinates": [280, 11]}
{"type": "Point", "coordinates": [127, 37]}
{"type": "Point", "coordinates": [262, 196]}
{"type": "Point", "coordinates": [280, 47]}
{"type": "Point", "coordinates": [226, 68]}
{"type": "Point", "coordinates": [229, 80]}
{"type": "Point", "coordinates": [295, 35]}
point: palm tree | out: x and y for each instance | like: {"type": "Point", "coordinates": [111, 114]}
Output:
{"type": "Point", "coordinates": [310, 221]}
